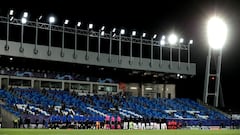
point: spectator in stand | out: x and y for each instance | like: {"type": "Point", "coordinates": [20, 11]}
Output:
{"type": "Point", "coordinates": [112, 122]}
{"type": "Point", "coordinates": [107, 122]}
{"type": "Point", "coordinates": [119, 121]}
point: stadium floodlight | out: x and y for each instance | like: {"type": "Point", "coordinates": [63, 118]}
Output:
{"type": "Point", "coordinates": [51, 19]}
{"type": "Point", "coordinates": [181, 40]}
{"type": "Point", "coordinates": [24, 20]}
{"type": "Point", "coordinates": [25, 14]}
{"type": "Point", "coordinates": [114, 30]}
{"type": "Point", "coordinates": [154, 36]}
{"type": "Point", "coordinates": [190, 42]}
{"type": "Point", "coordinates": [144, 35]}
{"type": "Point", "coordinates": [172, 39]}
{"type": "Point", "coordinates": [66, 21]}
{"type": "Point", "coordinates": [79, 24]}
{"type": "Point", "coordinates": [163, 37]}
{"type": "Point", "coordinates": [102, 33]}
{"type": "Point", "coordinates": [216, 32]}
{"type": "Point", "coordinates": [122, 32]}
{"type": "Point", "coordinates": [103, 27]}
{"type": "Point", "coordinates": [90, 26]}
{"type": "Point", "coordinates": [134, 33]}
{"type": "Point", "coordinates": [11, 18]}
{"type": "Point", "coordinates": [162, 42]}
{"type": "Point", "coordinates": [40, 17]}
{"type": "Point", "coordinates": [11, 12]}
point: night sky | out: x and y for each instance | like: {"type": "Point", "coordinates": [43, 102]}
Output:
{"type": "Point", "coordinates": [186, 18]}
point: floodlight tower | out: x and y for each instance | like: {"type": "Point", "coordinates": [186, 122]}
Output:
{"type": "Point", "coordinates": [216, 34]}
{"type": "Point", "coordinates": [51, 21]}
{"type": "Point", "coordinates": [9, 18]}
{"type": "Point", "coordinates": [23, 21]}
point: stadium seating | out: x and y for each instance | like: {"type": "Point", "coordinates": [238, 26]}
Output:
{"type": "Point", "coordinates": [64, 106]}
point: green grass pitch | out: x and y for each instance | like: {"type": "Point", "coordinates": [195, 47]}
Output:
{"type": "Point", "coordinates": [115, 132]}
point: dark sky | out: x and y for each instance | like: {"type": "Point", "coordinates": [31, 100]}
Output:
{"type": "Point", "coordinates": [186, 18]}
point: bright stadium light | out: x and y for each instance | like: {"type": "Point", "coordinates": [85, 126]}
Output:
{"type": "Point", "coordinates": [90, 26]}
{"type": "Point", "coordinates": [122, 32]}
{"type": "Point", "coordinates": [163, 37]}
{"type": "Point", "coordinates": [79, 24]}
{"type": "Point", "coordinates": [190, 42]}
{"type": "Point", "coordinates": [134, 33]}
{"type": "Point", "coordinates": [172, 39]}
{"type": "Point", "coordinates": [66, 21]}
{"type": "Point", "coordinates": [154, 36]}
{"type": "Point", "coordinates": [51, 19]}
{"type": "Point", "coordinates": [40, 17]}
{"type": "Point", "coordinates": [162, 42]}
{"type": "Point", "coordinates": [11, 18]}
{"type": "Point", "coordinates": [216, 32]}
{"type": "Point", "coordinates": [25, 14]}
{"type": "Point", "coordinates": [114, 30]}
{"type": "Point", "coordinates": [181, 40]}
{"type": "Point", "coordinates": [11, 12]}
{"type": "Point", "coordinates": [103, 27]}
{"type": "Point", "coordinates": [24, 20]}
{"type": "Point", "coordinates": [102, 33]}
{"type": "Point", "coordinates": [144, 35]}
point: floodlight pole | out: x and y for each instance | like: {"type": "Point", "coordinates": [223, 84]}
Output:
{"type": "Point", "coordinates": [170, 65]}
{"type": "Point", "coordinates": [75, 43]}
{"type": "Point", "coordinates": [99, 45]}
{"type": "Point", "coordinates": [6, 46]}
{"type": "Point", "coordinates": [63, 40]}
{"type": "Point", "coordinates": [160, 53]}
{"type": "Point", "coordinates": [110, 47]}
{"type": "Point", "coordinates": [217, 76]}
{"type": "Point", "coordinates": [49, 39]}
{"type": "Point", "coordinates": [188, 66]}
{"type": "Point", "coordinates": [21, 43]}
{"type": "Point", "coordinates": [36, 38]}
{"type": "Point", "coordinates": [151, 60]}
{"type": "Point", "coordinates": [179, 56]}
{"type": "Point", "coordinates": [87, 57]}
{"type": "Point", "coordinates": [120, 49]}
{"type": "Point", "coordinates": [141, 45]}
{"type": "Point", "coordinates": [131, 58]}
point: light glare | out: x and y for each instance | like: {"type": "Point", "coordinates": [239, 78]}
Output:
{"type": "Point", "coordinates": [154, 36]}
{"type": "Point", "coordinates": [79, 24]}
{"type": "Point", "coordinates": [133, 33]}
{"type": "Point", "coordinates": [191, 42]}
{"type": "Point", "coordinates": [25, 14]}
{"type": "Point", "coordinates": [172, 39]}
{"type": "Point", "coordinates": [90, 26]}
{"type": "Point", "coordinates": [181, 40]}
{"type": "Point", "coordinates": [11, 12]}
{"type": "Point", "coordinates": [66, 21]}
{"type": "Point", "coordinates": [102, 33]}
{"type": "Point", "coordinates": [122, 32]}
{"type": "Point", "coordinates": [103, 27]}
{"type": "Point", "coordinates": [144, 35]}
{"type": "Point", "coordinates": [114, 29]}
{"type": "Point", "coordinates": [51, 19]}
{"type": "Point", "coordinates": [24, 20]}
{"type": "Point", "coordinates": [216, 32]}
{"type": "Point", "coordinates": [162, 42]}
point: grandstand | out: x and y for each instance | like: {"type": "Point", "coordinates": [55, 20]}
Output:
{"type": "Point", "coordinates": [53, 86]}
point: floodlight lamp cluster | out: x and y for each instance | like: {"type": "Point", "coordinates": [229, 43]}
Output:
{"type": "Point", "coordinates": [172, 39]}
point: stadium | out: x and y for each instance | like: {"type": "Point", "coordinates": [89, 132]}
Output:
{"type": "Point", "coordinates": [81, 78]}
